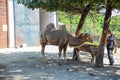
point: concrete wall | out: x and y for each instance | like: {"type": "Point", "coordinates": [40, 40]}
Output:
{"type": "Point", "coordinates": [26, 22]}
{"type": "Point", "coordinates": [11, 24]}
{"type": "Point", "coordinates": [46, 18]}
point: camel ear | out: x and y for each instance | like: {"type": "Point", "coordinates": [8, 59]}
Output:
{"type": "Point", "coordinates": [87, 34]}
{"type": "Point", "coordinates": [83, 34]}
{"type": "Point", "coordinates": [87, 37]}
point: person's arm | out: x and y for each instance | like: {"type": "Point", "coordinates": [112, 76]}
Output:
{"type": "Point", "coordinates": [115, 49]}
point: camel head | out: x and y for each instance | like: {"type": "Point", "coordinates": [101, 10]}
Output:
{"type": "Point", "coordinates": [86, 37]}
{"type": "Point", "coordinates": [80, 40]}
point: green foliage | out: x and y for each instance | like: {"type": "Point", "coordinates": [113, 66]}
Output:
{"type": "Point", "coordinates": [76, 7]}
{"type": "Point", "coordinates": [115, 26]}
{"type": "Point", "coordinates": [92, 24]}
{"type": "Point", "coordinates": [117, 34]}
{"type": "Point", "coordinates": [73, 6]}
{"type": "Point", "coordinates": [115, 23]}
{"type": "Point", "coordinates": [70, 20]}
{"type": "Point", "coordinates": [70, 6]}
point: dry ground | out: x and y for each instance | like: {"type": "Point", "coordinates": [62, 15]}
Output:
{"type": "Point", "coordinates": [25, 64]}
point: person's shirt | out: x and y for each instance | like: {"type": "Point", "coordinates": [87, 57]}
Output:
{"type": "Point", "coordinates": [111, 42]}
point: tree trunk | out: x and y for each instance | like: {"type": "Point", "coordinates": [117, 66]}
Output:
{"type": "Point", "coordinates": [99, 58]}
{"type": "Point", "coordinates": [80, 25]}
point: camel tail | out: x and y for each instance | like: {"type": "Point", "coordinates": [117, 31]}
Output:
{"type": "Point", "coordinates": [43, 39]}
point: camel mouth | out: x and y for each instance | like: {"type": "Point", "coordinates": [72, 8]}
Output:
{"type": "Point", "coordinates": [91, 40]}
{"type": "Point", "coordinates": [76, 45]}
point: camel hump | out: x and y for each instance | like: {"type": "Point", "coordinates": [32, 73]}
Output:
{"type": "Point", "coordinates": [50, 26]}
{"type": "Point", "coordinates": [48, 29]}
{"type": "Point", "coordinates": [63, 27]}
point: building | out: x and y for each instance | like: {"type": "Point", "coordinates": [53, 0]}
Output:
{"type": "Point", "coordinates": [20, 26]}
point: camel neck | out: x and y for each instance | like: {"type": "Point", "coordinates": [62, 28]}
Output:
{"type": "Point", "coordinates": [75, 41]}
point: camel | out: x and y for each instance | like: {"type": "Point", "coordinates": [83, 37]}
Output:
{"type": "Point", "coordinates": [92, 49]}
{"type": "Point", "coordinates": [61, 37]}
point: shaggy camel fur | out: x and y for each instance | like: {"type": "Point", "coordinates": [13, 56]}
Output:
{"type": "Point", "coordinates": [92, 49]}
{"type": "Point", "coordinates": [61, 37]}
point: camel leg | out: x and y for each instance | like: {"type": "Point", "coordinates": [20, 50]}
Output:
{"type": "Point", "coordinates": [65, 49]}
{"type": "Point", "coordinates": [74, 54]}
{"type": "Point", "coordinates": [42, 51]}
{"type": "Point", "coordinates": [60, 50]}
{"type": "Point", "coordinates": [92, 55]}
{"type": "Point", "coordinates": [77, 53]}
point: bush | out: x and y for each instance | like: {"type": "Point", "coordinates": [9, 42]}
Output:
{"type": "Point", "coordinates": [117, 34]}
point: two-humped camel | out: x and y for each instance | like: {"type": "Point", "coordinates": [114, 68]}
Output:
{"type": "Point", "coordinates": [61, 37]}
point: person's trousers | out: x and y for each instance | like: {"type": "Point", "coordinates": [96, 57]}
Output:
{"type": "Point", "coordinates": [110, 56]}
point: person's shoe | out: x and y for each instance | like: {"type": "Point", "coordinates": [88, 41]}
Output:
{"type": "Point", "coordinates": [111, 64]}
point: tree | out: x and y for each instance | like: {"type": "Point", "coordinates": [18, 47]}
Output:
{"type": "Point", "coordinates": [99, 58]}
{"type": "Point", "coordinates": [110, 5]}
{"type": "Point", "coordinates": [80, 25]}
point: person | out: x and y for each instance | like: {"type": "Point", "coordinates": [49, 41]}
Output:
{"type": "Point", "coordinates": [111, 46]}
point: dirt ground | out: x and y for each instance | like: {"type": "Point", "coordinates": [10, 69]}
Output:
{"type": "Point", "coordinates": [26, 64]}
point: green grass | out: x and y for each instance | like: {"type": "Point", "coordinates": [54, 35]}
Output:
{"type": "Point", "coordinates": [94, 43]}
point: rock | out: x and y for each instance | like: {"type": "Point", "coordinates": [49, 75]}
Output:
{"type": "Point", "coordinates": [42, 67]}
{"type": "Point", "coordinates": [92, 74]}
{"type": "Point", "coordinates": [70, 70]}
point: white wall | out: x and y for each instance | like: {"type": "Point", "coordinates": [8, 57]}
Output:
{"type": "Point", "coordinates": [46, 18]}
{"type": "Point", "coordinates": [11, 23]}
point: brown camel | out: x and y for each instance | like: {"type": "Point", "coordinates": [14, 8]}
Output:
{"type": "Point", "coordinates": [92, 49]}
{"type": "Point", "coordinates": [61, 37]}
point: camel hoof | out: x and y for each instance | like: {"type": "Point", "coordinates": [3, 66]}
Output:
{"type": "Point", "coordinates": [68, 63]}
{"type": "Point", "coordinates": [92, 60]}
{"type": "Point", "coordinates": [79, 59]}
{"type": "Point", "coordinates": [59, 64]}
{"type": "Point", "coordinates": [58, 60]}
{"type": "Point", "coordinates": [44, 60]}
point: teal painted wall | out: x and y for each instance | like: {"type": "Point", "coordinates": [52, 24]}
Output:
{"type": "Point", "coordinates": [27, 30]}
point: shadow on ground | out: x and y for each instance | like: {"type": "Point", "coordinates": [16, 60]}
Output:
{"type": "Point", "coordinates": [29, 66]}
